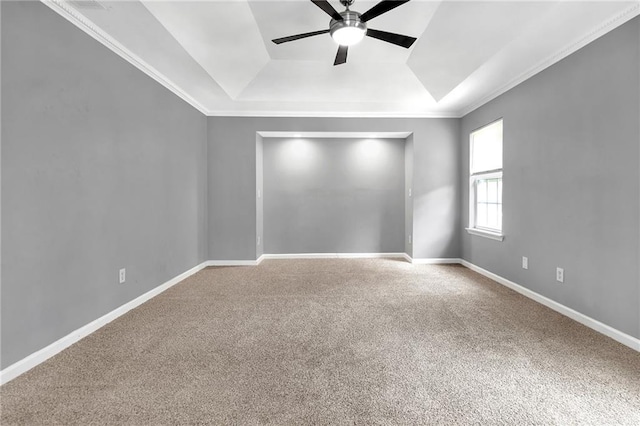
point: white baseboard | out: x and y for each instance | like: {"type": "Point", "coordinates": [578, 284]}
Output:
{"type": "Point", "coordinates": [405, 256]}
{"type": "Point", "coordinates": [335, 256]}
{"type": "Point", "coordinates": [27, 363]}
{"type": "Point", "coordinates": [596, 325]}
{"type": "Point", "coordinates": [436, 261]}
{"type": "Point", "coordinates": [233, 262]}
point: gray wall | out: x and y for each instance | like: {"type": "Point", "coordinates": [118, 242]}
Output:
{"type": "Point", "coordinates": [334, 195]}
{"type": "Point", "coordinates": [408, 199]}
{"type": "Point", "coordinates": [232, 179]}
{"type": "Point", "coordinates": [102, 168]}
{"type": "Point", "coordinates": [260, 198]}
{"type": "Point", "coordinates": [571, 181]}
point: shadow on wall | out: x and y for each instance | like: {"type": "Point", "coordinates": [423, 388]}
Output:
{"type": "Point", "coordinates": [433, 212]}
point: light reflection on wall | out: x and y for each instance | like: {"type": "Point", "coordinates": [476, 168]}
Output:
{"type": "Point", "coordinates": [432, 231]}
{"type": "Point", "coordinates": [368, 154]}
{"type": "Point", "coordinates": [334, 195]}
{"type": "Point", "coordinates": [298, 155]}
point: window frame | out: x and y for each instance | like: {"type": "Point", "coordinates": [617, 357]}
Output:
{"type": "Point", "coordinates": [474, 229]}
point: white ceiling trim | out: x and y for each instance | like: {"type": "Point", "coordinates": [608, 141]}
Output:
{"type": "Point", "coordinates": [609, 25]}
{"type": "Point", "coordinates": [323, 114]}
{"type": "Point", "coordinates": [243, 59]}
{"type": "Point", "coordinates": [63, 9]}
{"type": "Point", "coordinates": [331, 135]}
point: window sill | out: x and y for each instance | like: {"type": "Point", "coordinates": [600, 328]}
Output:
{"type": "Point", "coordinates": [486, 234]}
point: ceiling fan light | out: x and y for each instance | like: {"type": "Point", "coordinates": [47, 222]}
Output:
{"type": "Point", "coordinates": [350, 30]}
{"type": "Point", "coordinates": [348, 36]}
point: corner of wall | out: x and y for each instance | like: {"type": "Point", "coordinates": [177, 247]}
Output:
{"type": "Point", "coordinates": [408, 169]}
{"type": "Point", "coordinates": [204, 235]}
{"type": "Point", "coordinates": [259, 197]}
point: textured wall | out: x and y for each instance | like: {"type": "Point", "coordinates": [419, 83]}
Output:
{"type": "Point", "coordinates": [102, 169]}
{"type": "Point", "coordinates": [334, 195]}
{"type": "Point", "coordinates": [232, 179]}
{"type": "Point", "coordinates": [571, 181]}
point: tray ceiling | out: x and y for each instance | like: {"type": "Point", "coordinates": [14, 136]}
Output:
{"type": "Point", "coordinates": [218, 56]}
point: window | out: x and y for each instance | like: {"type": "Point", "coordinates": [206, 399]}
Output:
{"type": "Point", "coordinates": [485, 183]}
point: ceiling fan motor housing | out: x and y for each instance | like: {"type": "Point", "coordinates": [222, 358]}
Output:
{"type": "Point", "coordinates": [350, 23]}
{"type": "Point", "coordinates": [349, 27]}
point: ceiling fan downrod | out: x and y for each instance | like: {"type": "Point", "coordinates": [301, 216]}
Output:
{"type": "Point", "coordinates": [347, 3]}
{"type": "Point", "coordinates": [349, 27]}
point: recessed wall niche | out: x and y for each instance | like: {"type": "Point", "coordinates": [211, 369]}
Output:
{"type": "Point", "coordinates": [331, 193]}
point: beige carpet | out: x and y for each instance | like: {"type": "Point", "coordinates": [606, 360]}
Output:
{"type": "Point", "coordinates": [334, 342]}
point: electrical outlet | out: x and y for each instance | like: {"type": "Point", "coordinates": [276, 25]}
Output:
{"type": "Point", "coordinates": [258, 240]}
{"type": "Point", "coordinates": [560, 275]}
{"type": "Point", "coordinates": [525, 262]}
{"type": "Point", "coordinates": [123, 275]}
{"type": "Point", "coordinates": [409, 239]}
{"type": "Point", "coordinates": [409, 192]}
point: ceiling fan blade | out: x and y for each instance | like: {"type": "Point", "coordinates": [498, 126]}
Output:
{"type": "Point", "coordinates": [399, 39]}
{"type": "Point", "coordinates": [383, 7]}
{"type": "Point", "coordinates": [341, 56]}
{"type": "Point", "coordinates": [329, 10]}
{"type": "Point", "coordinates": [298, 36]}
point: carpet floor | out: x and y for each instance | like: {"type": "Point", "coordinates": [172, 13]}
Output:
{"type": "Point", "coordinates": [336, 341]}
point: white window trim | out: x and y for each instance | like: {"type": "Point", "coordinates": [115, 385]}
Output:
{"type": "Point", "coordinates": [486, 234]}
{"type": "Point", "coordinates": [487, 174]}
{"type": "Point", "coordinates": [472, 229]}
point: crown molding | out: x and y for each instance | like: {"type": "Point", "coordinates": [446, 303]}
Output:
{"type": "Point", "coordinates": [609, 25]}
{"type": "Point", "coordinates": [65, 10]}
{"type": "Point", "coordinates": [69, 13]}
{"type": "Point", "coordinates": [333, 114]}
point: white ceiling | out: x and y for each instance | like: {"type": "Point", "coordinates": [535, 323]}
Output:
{"type": "Point", "coordinates": [218, 56]}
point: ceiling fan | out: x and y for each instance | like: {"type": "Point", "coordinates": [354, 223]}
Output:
{"type": "Point", "coordinates": [349, 27]}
